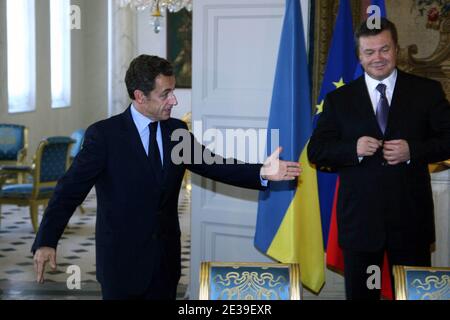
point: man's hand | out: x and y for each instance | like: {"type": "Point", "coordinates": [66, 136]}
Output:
{"type": "Point", "coordinates": [275, 169]}
{"type": "Point", "coordinates": [396, 151]}
{"type": "Point", "coordinates": [41, 256]}
{"type": "Point", "coordinates": [367, 146]}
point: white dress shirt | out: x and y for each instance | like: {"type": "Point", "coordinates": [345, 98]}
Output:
{"type": "Point", "coordinates": [374, 94]}
{"type": "Point", "coordinates": [142, 124]}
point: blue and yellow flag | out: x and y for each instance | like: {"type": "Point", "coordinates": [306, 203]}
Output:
{"type": "Point", "coordinates": [339, 70]}
{"type": "Point", "coordinates": [288, 226]}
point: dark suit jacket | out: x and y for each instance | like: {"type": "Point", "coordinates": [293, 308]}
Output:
{"type": "Point", "coordinates": [137, 228]}
{"type": "Point", "coordinates": [379, 204]}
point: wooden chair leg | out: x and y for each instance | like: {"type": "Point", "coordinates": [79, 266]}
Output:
{"type": "Point", "coordinates": [34, 210]}
{"type": "Point", "coordinates": [20, 178]}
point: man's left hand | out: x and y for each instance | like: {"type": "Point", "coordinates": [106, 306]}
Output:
{"type": "Point", "coordinates": [275, 169]}
{"type": "Point", "coordinates": [396, 151]}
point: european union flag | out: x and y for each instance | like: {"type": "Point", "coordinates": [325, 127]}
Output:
{"type": "Point", "coordinates": [340, 70]}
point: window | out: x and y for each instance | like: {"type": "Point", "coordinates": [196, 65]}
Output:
{"type": "Point", "coordinates": [21, 55]}
{"type": "Point", "coordinates": [60, 22]}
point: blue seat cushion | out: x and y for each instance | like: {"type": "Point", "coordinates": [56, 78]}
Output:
{"type": "Point", "coordinates": [23, 191]}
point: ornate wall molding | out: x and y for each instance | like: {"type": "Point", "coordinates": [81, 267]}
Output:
{"type": "Point", "coordinates": [435, 66]}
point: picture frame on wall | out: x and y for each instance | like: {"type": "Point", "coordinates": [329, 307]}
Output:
{"type": "Point", "coordinates": [179, 46]}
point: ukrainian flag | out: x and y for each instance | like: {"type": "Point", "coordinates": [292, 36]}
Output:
{"type": "Point", "coordinates": [288, 225]}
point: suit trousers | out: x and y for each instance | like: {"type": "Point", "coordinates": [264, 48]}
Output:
{"type": "Point", "coordinates": [163, 286]}
{"type": "Point", "coordinates": [356, 266]}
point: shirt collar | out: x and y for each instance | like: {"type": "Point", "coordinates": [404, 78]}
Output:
{"type": "Point", "coordinates": [389, 81]}
{"type": "Point", "coordinates": [141, 121]}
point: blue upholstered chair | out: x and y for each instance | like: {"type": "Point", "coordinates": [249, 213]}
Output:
{"type": "Point", "coordinates": [249, 281]}
{"type": "Point", "coordinates": [50, 163]}
{"type": "Point", "coordinates": [13, 148]}
{"type": "Point", "coordinates": [422, 283]}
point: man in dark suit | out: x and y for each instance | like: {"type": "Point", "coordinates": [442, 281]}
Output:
{"type": "Point", "coordinates": [129, 160]}
{"type": "Point", "coordinates": [379, 133]}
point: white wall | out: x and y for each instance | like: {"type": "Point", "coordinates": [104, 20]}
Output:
{"type": "Point", "coordinates": [95, 60]}
{"type": "Point", "coordinates": [148, 42]}
{"type": "Point", "coordinates": [89, 77]}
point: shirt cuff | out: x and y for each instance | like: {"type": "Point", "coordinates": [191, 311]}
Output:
{"type": "Point", "coordinates": [264, 182]}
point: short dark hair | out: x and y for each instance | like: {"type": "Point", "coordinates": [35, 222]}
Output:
{"type": "Point", "coordinates": [364, 31]}
{"type": "Point", "coordinates": [143, 71]}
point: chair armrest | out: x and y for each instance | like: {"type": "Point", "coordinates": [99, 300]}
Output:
{"type": "Point", "coordinates": [4, 170]}
{"type": "Point", "coordinates": [446, 163]}
{"type": "Point", "coordinates": [21, 155]}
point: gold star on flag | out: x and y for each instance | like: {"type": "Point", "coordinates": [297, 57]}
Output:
{"type": "Point", "coordinates": [339, 84]}
{"type": "Point", "coordinates": [319, 107]}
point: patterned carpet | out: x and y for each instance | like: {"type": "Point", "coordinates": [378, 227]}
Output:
{"type": "Point", "coordinates": [77, 247]}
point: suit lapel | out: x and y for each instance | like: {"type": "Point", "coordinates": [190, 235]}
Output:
{"type": "Point", "coordinates": [363, 105]}
{"type": "Point", "coordinates": [167, 148]}
{"type": "Point", "coordinates": [397, 104]}
{"type": "Point", "coordinates": [132, 138]}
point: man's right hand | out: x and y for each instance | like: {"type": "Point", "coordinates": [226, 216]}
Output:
{"type": "Point", "coordinates": [41, 256]}
{"type": "Point", "coordinates": [367, 146]}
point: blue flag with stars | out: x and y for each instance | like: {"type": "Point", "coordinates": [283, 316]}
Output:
{"type": "Point", "coordinates": [340, 69]}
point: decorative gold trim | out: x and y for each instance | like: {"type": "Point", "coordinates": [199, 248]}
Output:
{"type": "Point", "coordinates": [294, 275]}
{"type": "Point", "coordinates": [322, 40]}
{"type": "Point", "coordinates": [23, 152]}
{"type": "Point", "coordinates": [400, 278]}
{"type": "Point", "coordinates": [204, 280]}
{"type": "Point", "coordinates": [400, 288]}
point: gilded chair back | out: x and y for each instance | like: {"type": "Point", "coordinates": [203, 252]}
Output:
{"type": "Point", "coordinates": [13, 144]}
{"type": "Point", "coordinates": [422, 283]}
{"type": "Point", "coordinates": [249, 281]}
{"type": "Point", "coordinates": [51, 162]}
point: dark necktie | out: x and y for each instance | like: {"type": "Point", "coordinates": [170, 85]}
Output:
{"type": "Point", "coordinates": [382, 112]}
{"type": "Point", "coordinates": [153, 150]}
